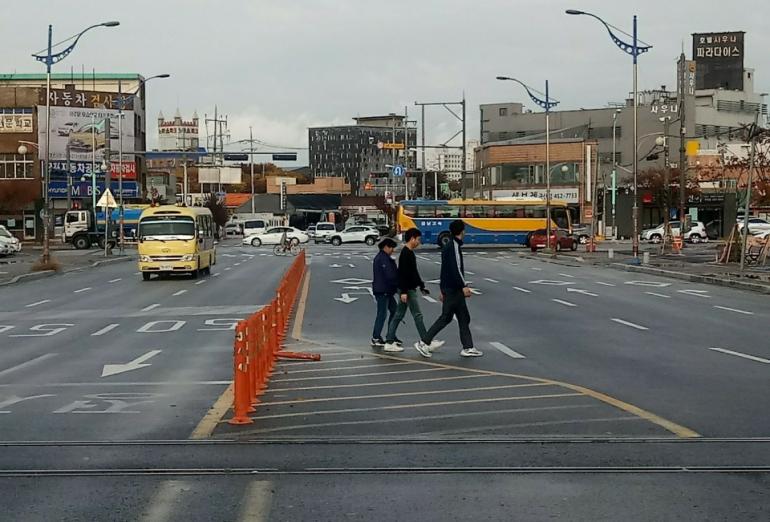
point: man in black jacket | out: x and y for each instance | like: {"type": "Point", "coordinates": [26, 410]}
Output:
{"type": "Point", "coordinates": [408, 282]}
{"type": "Point", "coordinates": [384, 286]}
{"type": "Point", "coordinates": [454, 292]}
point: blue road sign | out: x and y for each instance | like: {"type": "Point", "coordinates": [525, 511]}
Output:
{"type": "Point", "coordinates": [399, 170]}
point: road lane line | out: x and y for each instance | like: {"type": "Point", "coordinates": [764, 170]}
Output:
{"type": "Point", "coordinates": [566, 275]}
{"type": "Point", "coordinates": [44, 301]}
{"type": "Point", "coordinates": [106, 329]}
{"type": "Point", "coordinates": [26, 364]}
{"type": "Point", "coordinates": [404, 394]}
{"type": "Point", "coordinates": [115, 280]}
{"type": "Point", "coordinates": [465, 431]}
{"type": "Point", "coordinates": [491, 280]}
{"type": "Point", "coordinates": [627, 323]}
{"type": "Point", "coordinates": [664, 296]}
{"type": "Point", "coordinates": [200, 282]}
{"type": "Point", "coordinates": [470, 273]}
{"type": "Point", "coordinates": [744, 312]}
{"type": "Point", "coordinates": [603, 283]}
{"type": "Point", "coordinates": [437, 262]}
{"type": "Point", "coordinates": [151, 307]}
{"type": "Point", "coordinates": [429, 299]}
{"type": "Point", "coordinates": [565, 303]}
{"type": "Point", "coordinates": [228, 268]}
{"type": "Point", "coordinates": [257, 502]}
{"type": "Point", "coordinates": [209, 422]}
{"type": "Point", "coordinates": [743, 355]}
{"type": "Point", "coordinates": [237, 264]}
{"type": "Point", "coordinates": [421, 405]}
{"type": "Point", "coordinates": [165, 501]}
{"type": "Point", "coordinates": [424, 258]}
{"type": "Point", "coordinates": [180, 292]}
{"type": "Point", "coordinates": [86, 289]}
{"type": "Point", "coordinates": [507, 351]}
{"type": "Point", "coordinates": [374, 374]}
{"type": "Point", "coordinates": [536, 269]}
{"type": "Point", "coordinates": [362, 384]}
{"type": "Point", "coordinates": [524, 290]}
{"type": "Point", "coordinates": [379, 365]}
{"type": "Point", "coordinates": [216, 275]}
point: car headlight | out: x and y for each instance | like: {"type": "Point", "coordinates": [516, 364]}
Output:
{"type": "Point", "coordinates": [145, 259]}
{"type": "Point", "coordinates": [188, 257]}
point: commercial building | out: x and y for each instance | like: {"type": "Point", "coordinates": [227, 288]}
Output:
{"type": "Point", "coordinates": [178, 134]}
{"type": "Point", "coordinates": [364, 154]}
{"type": "Point", "coordinates": [80, 104]}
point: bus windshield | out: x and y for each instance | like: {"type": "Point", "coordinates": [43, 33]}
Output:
{"type": "Point", "coordinates": [166, 227]}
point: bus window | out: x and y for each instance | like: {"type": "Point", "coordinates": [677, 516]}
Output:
{"type": "Point", "coordinates": [534, 212]}
{"type": "Point", "coordinates": [559, 215]}
{"type": "Point", "coordinates": [478, 211]}
{"type": "Point", "coordinates": [505, 211]}
{"type": "Point", "coordinates": [424, 211]}
{"type": "Point", "coordinates": [408, 210]}
{"type": "Point", "coordinates": [448, 211]}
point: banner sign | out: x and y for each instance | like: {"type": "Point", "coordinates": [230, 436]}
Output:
{"type": "Point", "coordinates": [89, 99]}
{"type": "Point", "coordinates": [57, 189]}
{"type": "Point", "coordinates": [719, 59]}
{"type": "Point", "coordinates": [79, 168]}
{"type": "Point", "coordinates": [566, 194]}
{"type": "Point", "coordinates": [15, 123]}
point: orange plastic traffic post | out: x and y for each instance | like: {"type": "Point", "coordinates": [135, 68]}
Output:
{"type": "Point", "coordinates": [241, 401]}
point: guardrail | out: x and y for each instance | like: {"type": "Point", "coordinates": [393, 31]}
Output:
{"type": "Point", "coordinates": [258, 341]}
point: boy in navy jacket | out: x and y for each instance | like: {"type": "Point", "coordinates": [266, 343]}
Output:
{"type": "Point", "coordinates": [384, 287]}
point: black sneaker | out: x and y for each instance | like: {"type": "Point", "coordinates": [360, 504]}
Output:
{"type": "Point", "coordinates": [378, 342]}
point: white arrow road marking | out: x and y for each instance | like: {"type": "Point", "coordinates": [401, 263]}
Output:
{"type": "Point", "coordinates": [429, 299]}
{"type": "Point", "coordinates": [579, 291]}
{"type": "Point", "coordinates": [491, 280]}
{"type": "Point", "coordinates": [228, 255]}
{"type": "Point", "coordinates": [151, 307]}
{"type": "Point", "coordinates": [114, 369]}
{"type": "Point", "coordinates": [664, 296]}
{"type": "Point", "coordinates": [734, 310]}
{"type": "Point", "coordinates": [351, 281]}
{"type": "Point", "coordinates": [656, 284]}
{"type": "Point", "coordinates": [507, 351]}
{"type": "Point", "coordinates": [335, 265]}
{"type": "Point", "coordinates": [31, 305]}
{"type": "Point", "coordinates": [739, 354]}
{"type": "Point", "coordinates": [603, 283]}
{"type": "Point", "coordinates": [524, 290]}
{"type": "Point", "coordinates": [106, 329]}
{"type": "Point", "coordinates": [346, 299]}
{"type": "Point", "coordinates": [351, 265]}
{"type": "Point", "coordinates": [697, 293]}
{"type": "Point", "coordinates": [549, 282]}
{"type": "Point", "coordinates": [565, 303]}
{"type": "Point", "coordinates": [632, 325]}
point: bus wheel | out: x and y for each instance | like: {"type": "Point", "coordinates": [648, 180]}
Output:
{"type": "Point", "coordinates": [146, 276]}
{"type": "Point", "coordinates": [194, 273]}
{"type": "Point", "coordinates": [444, 239]}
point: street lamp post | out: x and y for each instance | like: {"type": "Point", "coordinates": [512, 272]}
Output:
{"type": "Point", "coordinates": [546, 104]}
{"type": "Point", "coordinates": [634, 49]}
{"type": "Point", "coordinates": [50, 58]}
{"type": "Point", "coordinates": [614, 171]}
{"type": "Point", "coordinates": [121, 211]}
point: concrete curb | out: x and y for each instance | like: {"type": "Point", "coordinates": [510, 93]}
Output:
{"type": "Point", "coordinates": [33, 276]}
{"type": "Point", "coordinates": [694, 278]}
{"type": "Point", "coordinates": [545, 258]}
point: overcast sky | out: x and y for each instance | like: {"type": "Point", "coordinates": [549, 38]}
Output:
{"type": "Point", "coordinates": [285, 65]}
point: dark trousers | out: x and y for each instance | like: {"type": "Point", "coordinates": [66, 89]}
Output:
{"type": "Point", "coordinates": [454, 305]}
{"type": "Point", "coordinates": [386, 303]}
{"type": "Point", "coordinates": [413, 303]}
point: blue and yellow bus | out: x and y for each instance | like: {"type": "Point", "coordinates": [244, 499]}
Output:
{"type": "Point", "coordinates": [508, 222]}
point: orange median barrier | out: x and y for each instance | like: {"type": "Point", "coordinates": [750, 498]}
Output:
{"type": "Point", "coordinates": [258, 344]}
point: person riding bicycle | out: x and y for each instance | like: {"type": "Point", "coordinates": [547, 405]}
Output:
{"type": "Point", "coordinates": [285, 242]}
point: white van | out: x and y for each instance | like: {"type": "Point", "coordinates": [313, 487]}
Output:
{"type": "Point", "coordinates": [323, 231]}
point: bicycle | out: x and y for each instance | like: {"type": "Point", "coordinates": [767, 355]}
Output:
{"type": "Point", "coordinates": [290, 248]}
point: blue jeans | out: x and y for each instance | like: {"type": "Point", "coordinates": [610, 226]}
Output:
{"type": "Point", "coordinates": [386, 303]}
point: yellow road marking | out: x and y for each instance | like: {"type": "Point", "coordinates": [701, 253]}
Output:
{"type": "Point", "coordinates": [206, 426]}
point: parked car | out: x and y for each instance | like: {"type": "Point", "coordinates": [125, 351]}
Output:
{"type": "Point", "coordinates": [310, 231]}
{"type": "Point", "coordinates": [582, 232]}
{"type": "Point", "coordinates": [5, 250]}
{"type": "Point", "coordinates": [355, 234]}
{"type": "Point", "coordinates": [273, 235]}
{"type": "Point", "coordinates": [756, 225]}
{"type": "Point", "coordinates": [9, 241]}
{"type": "Point", "coordinates": [696, 234]}
{"type": "Point", "coordinates": [233, 229]}
{"type": "Point", "coordinates": [560, 238]}
{"type": "Point", "coordinates": [324, 231]}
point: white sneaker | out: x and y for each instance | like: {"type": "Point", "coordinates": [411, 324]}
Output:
{"type": "Point", "coordinates": [471, 352]}
{"type": "Point", "coordinates": [423, 349]}
{"type": "Point", "coordinates": [435, 345]}
{"type": "Point", "coordinates": [392, 347]}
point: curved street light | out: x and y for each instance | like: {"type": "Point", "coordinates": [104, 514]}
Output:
{"type": "Point", "coordinates": [50, 58]}
{"type": "Point", "coordinates": [548, 103]}
{"type": "Point", "coordinates": [634, 49]}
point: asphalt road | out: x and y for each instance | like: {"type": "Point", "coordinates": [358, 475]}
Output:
{"type": "Point", "coordinates": [602, 395]}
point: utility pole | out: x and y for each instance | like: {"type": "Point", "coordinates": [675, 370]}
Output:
{"type": "Point", "coordinates": [682, 148]}
{"type": "Point", "coordinates": [107, 183]}
{"type": "Point", "coordinates": [251, 161]}
{"type": "Point", "coordinates": [422, 164]}
{"type": "Point", "coordinates": [445, 145]}
{"type": "Point", "coordinates": [667, 186]}
{"type": "Point", "coordinates": [218, 134]}
{"type": "Point", "coordinates": [464, 158]}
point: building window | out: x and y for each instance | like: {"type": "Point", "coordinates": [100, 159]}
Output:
{"type": "Point", "coordinates": [15, 166]}
{"type": "Point", "coordinates": [503, 111]}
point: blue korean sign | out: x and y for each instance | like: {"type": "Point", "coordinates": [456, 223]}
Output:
{"type": "Point", "coordinates": [57, 189]}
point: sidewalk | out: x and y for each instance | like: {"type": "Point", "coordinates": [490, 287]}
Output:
{"type": "Point", "coordinates": [697, 263]}
{"type": "Point", "coordinates": [18, 268]}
